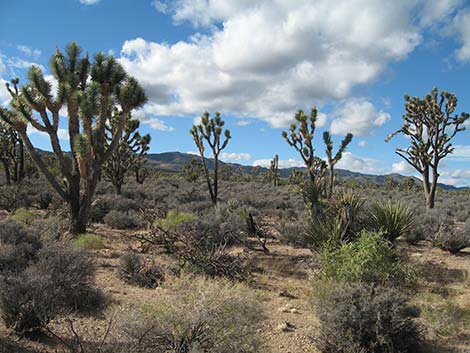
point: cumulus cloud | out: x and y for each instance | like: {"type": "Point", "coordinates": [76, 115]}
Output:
{"type": "Point", "coordinates": [357, 116]}
{"type": "Point", "coordinates": [235, 157]}
{"type": "Point", "coordinates": [61, 133]}
{"type": "Point", "coordinates": [456, 177]}
{"type": "Point", "coordinates": [303, 54]}
{"type": "Point", "coordinates": [283, 163]}
{"type": "Point", "coordinates": [403, 168]}
{"type": "Point", "coordinates": [461, 27]}
{"type": "Point", "coordinates": [359, 164]}
{"type": "Point", "coordinates": [434, 12]}
{"type": "Point", "coordinates": [4, 95]}
{"type": "Point", "coordinates": [153, 122]}
{"type": "Point", "coordinates": [362, 143]}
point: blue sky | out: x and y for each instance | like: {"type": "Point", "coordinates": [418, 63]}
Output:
{"type": "Point", "coordinates": [258, 61]}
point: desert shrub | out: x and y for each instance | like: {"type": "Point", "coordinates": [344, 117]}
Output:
{"type": "Point", "coordinates": [88, 241]}
{"type": "Point", "coordinates": [135, 271]}
{"type": "Point", "coordinates": [452, 238]}
{"type": "Point", "coordinates": [370, 259]}
{"type": "Point", "coordinates": [292, 233]}
{"type": "Point", "coordinates": [19, 246]}
{"type": "Point", "coordinates": [364, 318]}
{"type": "Point", "coordinates": [52, 227]}
{"type": "Point", "coordinates": [59, 281]}
{"type": "Point", "coordinates": [22, 215]}
{"type": "Point", "coordinates": [443, 317]}
{"type": "Point", "coordinates": [194, 315]}
{"type": "Point", "coordinates": [106, 203]}
{"type": "Point", "coordinates": [11, 197]}
{"type": "Point", "coordinates": [44, 199]}
{"type": "Point", "coordinates": [392, 219]}
{"type": "Point", "coordinates": [123, 220]}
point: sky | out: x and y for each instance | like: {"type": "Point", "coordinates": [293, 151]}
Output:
{"type": "Point", "coordinates": [257, 62]}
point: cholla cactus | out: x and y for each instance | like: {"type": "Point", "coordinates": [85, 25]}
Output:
{"type": "Point", "coordinates": [332, 160]}
{"type": "Point", "coordinates": [430, 125]}
{"type": "Point", "coordinates": [90, 92]}
{"type": "Point", "coordinates": [210, 130]}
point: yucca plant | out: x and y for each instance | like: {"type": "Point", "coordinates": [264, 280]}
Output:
{"type": "Point", "coordinates": [392, 219]}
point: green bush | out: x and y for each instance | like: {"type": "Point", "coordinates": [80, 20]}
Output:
{"type": "Point", "coordinates": [22, 215]}
{"type": "Point", "coordinates": [194, 315]}
{"type": "Point", "coordinates": [370, 258]}
{"type": "Point", "coordinates": [364, 318]}
{"type": "Point", "coordinates": [393, 219]}
{"type": "Point", "coordinates": [88, 241]}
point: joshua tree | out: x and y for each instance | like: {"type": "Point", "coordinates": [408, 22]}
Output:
{"type": "Point", "coordinates": [332, 160]}
{"type": "Point", "coordinates": [12, 155]}
{"type": "Point", "coordinates": [273, 172]}
{"type": "Point", "coordinates": [192, 170]}
{"type": "Point", "coordinates": [129, 154]}
{"type": "Point", "coordinates": [430, 125]}
{"type": "Point", "coordinates": [210, 130]}
{"type": "Point", "coordinates": [91, 93]}
{"type": "Point", "coordinates": [300, 138]}
{"type": "Point", "coordinates": [141, 173]}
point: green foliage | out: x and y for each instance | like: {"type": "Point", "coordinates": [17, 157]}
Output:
{"type": "Point", "coordinates": [369, 259]}
{"type": "Point", "coordinates": [364, 318]}
{"type": "Point", "coordinates": [88, 241]}
{"type": "Point", "coordinates": [193, 170]}
{"type": "Point", "coordinates": [332, 160]}
{"type": "Point", "coordinates": [393, 219]}
{"type": "Point", "coordinates": [192, 314]}
{"type": "Point", "coordinates": [174, 218]}
{"type": "Point", "coordinates": [23, 215]}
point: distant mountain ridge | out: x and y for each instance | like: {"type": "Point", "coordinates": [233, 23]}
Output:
{"type": "Point", "coordinates": [174, 162]}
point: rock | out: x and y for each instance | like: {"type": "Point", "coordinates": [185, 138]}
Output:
{"type": "Point", "coordinates": [285, 326]}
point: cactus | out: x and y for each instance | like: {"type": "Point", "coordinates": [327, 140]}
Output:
{"type": "Point", "coordinates": [430, 125]}
{"type": "Point", "coordinates": [332, 160]}
{"type": "Point", "coordinates": [210, 130]}
{"type": "Point", "coordinates": [92, 92]}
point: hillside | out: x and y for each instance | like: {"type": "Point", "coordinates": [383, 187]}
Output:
{"type": "Point", "coordinates": [173, 162]}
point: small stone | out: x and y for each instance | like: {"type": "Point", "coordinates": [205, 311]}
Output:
{"type": "Point", "coordinates": [285, 326]}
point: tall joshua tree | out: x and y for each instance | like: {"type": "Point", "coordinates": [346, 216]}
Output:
{"type": "Point", "coordinates": [332, 160]}
{"type": "Point", "coordinates": [300, 137]}
{"type": "Point", "coordinates": [129, 154]}
{"type": "Point", "coordinates": [272, 174]}
{"type": "Point", "coordinates": [91, 93]}
{"type": "Point", "coordinates": [430, 124]}
{"type": "Point", "coordinates": [211, 131]}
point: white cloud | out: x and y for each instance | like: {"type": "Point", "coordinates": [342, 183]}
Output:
{"type": "Point", "coordinates": [33, 131]}
{"type": "Point", "coordinates": [355, 163]}
{"type": "Point", "coordinates": [63, 134]}
{"type": "Point", "coordinates": [362, 143]}
{"type": "Point", "coordinates": [461, 153]}
{"type": "Point", "coordinates": [3, 67]}
{"type": "Point", "coordinates": [461, 28]}
{"type": "Point", "coordinates": [18, 63]}
{"type": "Point", "coordinates": [304, 53]}
{"type": "Point", "coordinates": [289, 163]}
{"type": "Point", "coordinates": [321, 120]}
{"type": "Point", "coordinates": [243, 122]}
{"type": "Point", "coordinates": [403, 168]}
{"type": "Point", "coordinates": [456, 177]}
{"type": "Point", "coordinates": [89, 2]}
{"type": "Point", "coordinates": [160, 6]}
{"type": "Point", "coordinates": [153, 122]}
{"type": "Point", "coordinates": [238, 157]}
{"type": "Point", "coordinates": [434, 12]}
{"type": "Point", "coordinates": [4, 94]}
{"type": "Point", "coordinates": [357, 116]}
{"type": "Point", "coordinates": [28, 51]}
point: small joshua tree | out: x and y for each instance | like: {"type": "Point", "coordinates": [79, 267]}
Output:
{"type": "Point", "coordinates": [300, 137]}
{"type": "Point", "coordinates": [128, 155]}
{"type": "Point", "coordinates": [210, 130]}
{"type": "Point", "coordinates": [430, 125]}
{"type": "Point", "coordinates": [92, 92]}
{"type": "Point", "coordinates": [274, 171]}
{"type": "Point", "coordinates": [192, 170]}
{"type": "Point", "coordinates": [332, 160]}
